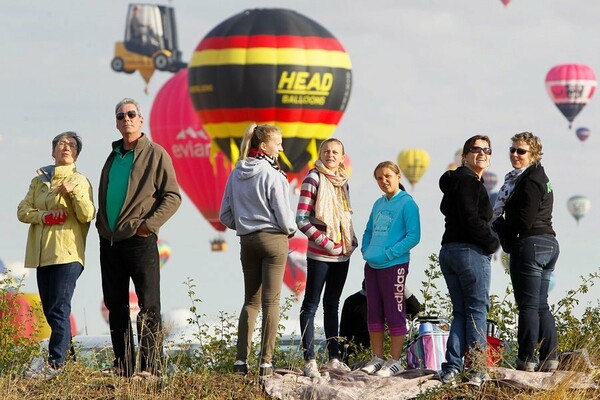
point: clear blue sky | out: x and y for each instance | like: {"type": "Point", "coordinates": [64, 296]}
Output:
{"type": "Point", "coordinates": [426, 74]}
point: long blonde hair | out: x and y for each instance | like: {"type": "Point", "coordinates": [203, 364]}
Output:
{"type": "Point", "coordinates": [255, 135]}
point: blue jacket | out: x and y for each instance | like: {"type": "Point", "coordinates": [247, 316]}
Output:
{"type": "Point", "coordinates": [393, 229]}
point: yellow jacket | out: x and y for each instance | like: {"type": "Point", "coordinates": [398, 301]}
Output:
{"type": "Point", "coordinates": [60, 243]}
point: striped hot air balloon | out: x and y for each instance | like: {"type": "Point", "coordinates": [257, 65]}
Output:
{"type": "Point", "coordinates": [271, 66]}
{"type": "Point", "coordinates": [571, 86]}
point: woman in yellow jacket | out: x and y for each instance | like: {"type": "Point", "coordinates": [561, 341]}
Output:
{"type": "Point", "coordinates": [58, 208]}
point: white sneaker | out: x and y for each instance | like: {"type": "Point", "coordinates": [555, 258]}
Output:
{"type": "Point", "coordinates": [335, 364]}
{"type": "Point", "coordinates": [373, 366]}
{"type": "Point", "coordinates": [43, 372]}
{"type": "Point", "coordinates": [390, 368]}
{"type": "Point", "coordinates": [311, 369]}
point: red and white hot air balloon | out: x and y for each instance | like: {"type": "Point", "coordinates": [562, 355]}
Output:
{"type": "Point", "coordinates": [571, 86]}
{"type": "Point", "coordinates": [134, 308]}
{"type": "Point", "coordinates": [294, 276]}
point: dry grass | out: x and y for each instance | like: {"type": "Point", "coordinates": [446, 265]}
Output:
{"type": "Point", "coordinates": [78, 382]}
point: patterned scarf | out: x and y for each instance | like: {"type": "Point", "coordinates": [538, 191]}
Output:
{"type": "Point", "coordinates": [506, 191]}
{"type": "Point", "coordinates": [332, 206]}
{"type": "Point", "coordinates": [261, 155]}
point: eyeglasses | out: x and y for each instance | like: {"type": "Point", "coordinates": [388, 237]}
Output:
{"type": "Point", "coordinates": [518, 150]}
{"type": "Point", "coordinates": [72, 146]}
{"type": "Point", "coordinates": [477, 150]}
{"type": "Point", "coordinates": [130, 114]}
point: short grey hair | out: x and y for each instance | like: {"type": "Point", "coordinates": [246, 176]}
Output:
{"type": "Point", "coordinates": [128, 100]}
{"type": "Point", "coordinates": [69, 134]}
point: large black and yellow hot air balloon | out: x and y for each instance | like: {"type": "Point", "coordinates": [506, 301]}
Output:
{"type": "Point", "coordinates": [270, 66]}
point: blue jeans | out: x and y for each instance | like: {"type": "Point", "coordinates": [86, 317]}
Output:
{"type": "Point", "coordinates": [532, 260]}
{"type": "Point", "coordinates": [332, 277]}
{"type": "Point", "coordinates": [467, 271]}
{"type": "Point", "coordinates": [135, 258]}
{"type": "Point", "coordinates": [56, 284]}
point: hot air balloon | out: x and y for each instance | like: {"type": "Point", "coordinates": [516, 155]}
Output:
{"type": "Point", "coordinates": [505, 2]}
{"type": "Point", "coordinates": [134, 308]}
{"type": "Point", "coordinates": [294, 276]}
{"type": "Point", "coordinates": [413, 163]}
{"type": "Point", "coordinates": [271, 66]}
{"type": "Point", "coordinates": [150, 42]}
{"type": "Point", "coordinates": [164, 252]}
{"type": "Point", "coordinates": [578, 206]}
{"type": "Point", "coordinates": [583, 133]}
{"type": "Point", "coordinates": [490, 179]}
{"type": "Point", "coordinates": [570, 87]}
{"type": "Point", "coordinates": [27, 315]}
{"type": "Point", "coordinates": [175, 125]}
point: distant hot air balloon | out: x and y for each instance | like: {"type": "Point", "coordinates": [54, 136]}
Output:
{"type": "Point", "coordinates": [175, 125]}
{"type": "Point", "coordinates": [164, 252]}
{"type": "Point", "coordinates": [583, 133]}
{"type": "Point", "coordinates": [570, 87]}
{"type": "Point", "coordinates": [413, 163]}
{"type": "Point", "coordinates": [27, 315]}
{"type": "Point", "coordinates": [134, 307]}
{"type": "Point", "coordinates": [271, 66]}
{"type": "Point", "coordinates": [294, 276]}
{"type": "Point", "coordinates": [490, 179]}
{"type": "Point", "coordinates": [505, 2]}
{"type": "Point", "coordinates": [578, 206]}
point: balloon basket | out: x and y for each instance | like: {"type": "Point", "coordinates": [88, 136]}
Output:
{"type": "Point", "coordinates": [218, 245]}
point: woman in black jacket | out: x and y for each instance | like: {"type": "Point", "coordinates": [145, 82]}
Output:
{"type": "Point", "coordinates": [465, 257]}
{"type": "Point", "coordinates": [523, 220]}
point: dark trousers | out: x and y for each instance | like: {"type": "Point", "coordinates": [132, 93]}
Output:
{"type": "Point", "coordinates": [56, 284]}
{"type": "Point", "coordinates": [330, 276]}
{"type": "Point", "coordinates": [532, 261]}
{"type": "Point", "coordinates": [137, 259]}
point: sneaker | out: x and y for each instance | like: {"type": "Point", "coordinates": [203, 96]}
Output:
{"type": "Point", "coordinates": [240, 367]}
{"type": "Point", "coordinates": [476, 378]}
{"type": "Point", "coordinates": [265, 370]}
{"type": "Point", "coordinates": [548, 366]}
{"type": "Point", "coordinates": [390, 368]}
{"type": "Point", "coordinates": [373, 366]}
{"type": "Point", "coordinates": [335, 364]}
{"type": "Point", "coordinates": [43, 372]}
{"type": "Point", "coordinates": [448, 377]}
{"type": "Point", "coordinates": [525, 366]}
{"type": "Point", "coordinates": [311, 369]}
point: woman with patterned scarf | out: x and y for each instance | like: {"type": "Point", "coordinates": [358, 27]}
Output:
{"type": "Point", "coordinates": [256, 204]}
{"type": "Point", "coordinates": [523, 221]}
{"type": "Point", "coordinates": [324, 216]}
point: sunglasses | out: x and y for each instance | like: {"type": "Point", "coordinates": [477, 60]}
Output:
{"type": "Point", "coordinates": [130, 114]}
{"type": "Point", "coordinates": [477, 150]}
{"type": "Point", "coordinates": [519, 151]}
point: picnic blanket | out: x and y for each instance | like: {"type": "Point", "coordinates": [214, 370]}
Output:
{"type": "Point", "coordinates": [357, 385]}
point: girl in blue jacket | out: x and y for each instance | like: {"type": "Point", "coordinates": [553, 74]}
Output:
{"type": "Point", "coordinates": [392, 230]}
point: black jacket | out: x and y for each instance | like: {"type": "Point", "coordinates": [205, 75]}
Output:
{"type": "Point", "coordinates": [467, 209]}
{"type": "Point", "coordinates": [528, 211]}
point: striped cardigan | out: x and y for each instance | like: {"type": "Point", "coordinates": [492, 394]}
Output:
{"type": "Point", "coordinates": [320, 247]}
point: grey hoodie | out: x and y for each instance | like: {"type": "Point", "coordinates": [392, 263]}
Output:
{"type": "Point", "coordinates": [257, 199]}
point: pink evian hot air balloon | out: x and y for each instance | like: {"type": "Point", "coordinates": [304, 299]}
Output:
{"type": "Point", "coordinates": [175, 125]}
{"type": "Point", "coordinates": [505, 2]}
{"type": "Point", "coordinates": [571, 86]}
